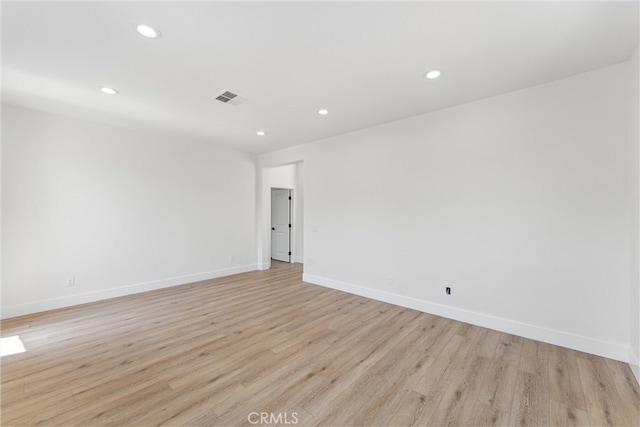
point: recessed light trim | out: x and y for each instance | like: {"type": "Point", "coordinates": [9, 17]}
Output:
{"type": "Point", "coordinates": [260, 133]}
{"type": "Point", "coordinates": [323, 111]}
{"type": "Point", "coordinates": [148, 31]}
{"type": "Point", "coordinates": [433, 74]}
{"type": "Point", "coordinates": [109, 90]}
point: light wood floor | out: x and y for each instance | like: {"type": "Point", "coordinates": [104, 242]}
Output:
{"type": "Point", "coordinates": [213, 352]}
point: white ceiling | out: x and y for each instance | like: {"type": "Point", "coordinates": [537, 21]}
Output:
{"type": "Point", "coordinates": [363, 61]}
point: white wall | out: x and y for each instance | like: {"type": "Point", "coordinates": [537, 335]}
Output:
{"type": "Point", "coordinates": [281, 177]}
{"type": "Point", "coordinates": [121, 211]}
{"type": "Point", "coordinates": [518, 202]}
{"type": "Point", "coordinates": [634, 186]}
{"type": "Point", "coordinates": [298, 214]}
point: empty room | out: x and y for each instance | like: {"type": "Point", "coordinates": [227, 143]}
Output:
{"type": "Point", "coordinates": [320, 213]}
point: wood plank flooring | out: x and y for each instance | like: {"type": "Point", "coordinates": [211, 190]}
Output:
{"type": "Point", "coordinates": [228, 351]}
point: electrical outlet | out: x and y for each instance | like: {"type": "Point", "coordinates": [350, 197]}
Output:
{"type": "Point", "coordinates": [231, 259]}
{"type": "Point", "coordinates": [447, 290]}
{"type": "Point", "coordinates": [71, 281]}
{"type": "Point", "coordinates": [389, 280]}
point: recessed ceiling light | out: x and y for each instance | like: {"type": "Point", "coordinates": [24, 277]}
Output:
{"type": "Point", "coordinates": [260, 133]}
{"type": "Point", "coordinates": [323, 112]}
{"type": "Point", "coordinates": [433, 74]}
{"type": "Point", "coordinates": [148, 31]}
{"type": "Point", "coordinates": [109, 90]}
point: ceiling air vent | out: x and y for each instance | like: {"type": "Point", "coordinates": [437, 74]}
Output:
{"type": "Point", "coordinates": [226, 97]}
{"type": "Point", "coordinates": [231, 98]}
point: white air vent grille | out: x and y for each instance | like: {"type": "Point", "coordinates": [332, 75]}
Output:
{"type": "Point", "coordinates": [231, 98]}
{"type": "Point", "coordinates": [226, 97]}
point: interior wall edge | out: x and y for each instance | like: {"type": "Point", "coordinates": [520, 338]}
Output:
{"type": "Point", "coordinates": [264, 266]}
{"type": "Point", "coordinates": [104, 294]}
{"type": "Point", "coordinates": [634, 364]}
{"type": "Point", "coordinates": [585, 344]}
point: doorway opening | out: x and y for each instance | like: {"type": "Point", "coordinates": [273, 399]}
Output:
{"type": "Point", "coordinates": [281, 224]}
{"type": "Point", "coordinates": [287, 177]}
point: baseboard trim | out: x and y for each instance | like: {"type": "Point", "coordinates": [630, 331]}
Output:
{"type": "Point", "coordinates": [634, 363]}
{"type": "Point", "coordinates": [538, 333]}
{"type": "Point", "coordinates": [264, 266]}
{"type": "Point", "coordinates": [83, 298]}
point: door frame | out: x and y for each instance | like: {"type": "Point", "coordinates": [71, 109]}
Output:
{"type": "Point", "coordinates": [263, 200]}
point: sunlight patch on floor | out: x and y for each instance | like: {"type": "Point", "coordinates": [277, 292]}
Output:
{"type": "Point", "coordinates": [11, 345]}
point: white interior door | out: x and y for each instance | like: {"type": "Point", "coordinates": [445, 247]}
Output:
{"type": "Point", "coordinates": [281, 224]}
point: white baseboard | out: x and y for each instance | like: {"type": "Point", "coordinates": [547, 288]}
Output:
{"type": "Point", "coordinates": [634, 363]}
{"type": "Point", "coordinates": [70, 300]}
{"type": "Point", "coordinates": [264, 266]}
{"type": "Point", "coordinates": [538, 333]}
